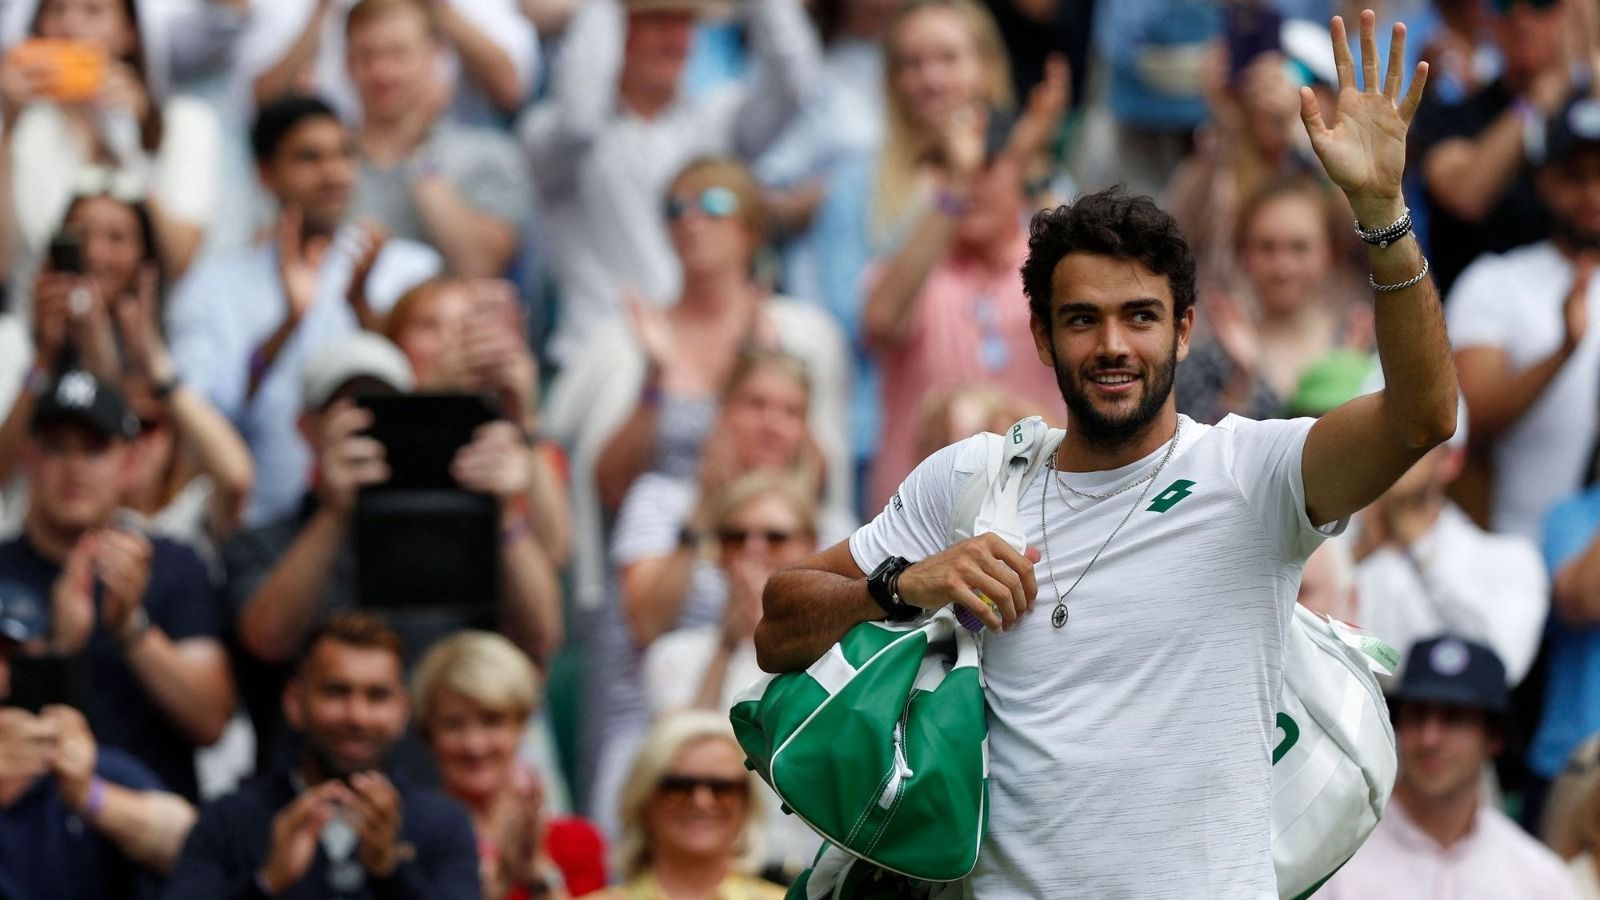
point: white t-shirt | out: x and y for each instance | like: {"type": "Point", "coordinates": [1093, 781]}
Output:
{"type": "Point", "coordinates": [1129, 752]}
{"type": "Point", "coordinates": [1512, 302]}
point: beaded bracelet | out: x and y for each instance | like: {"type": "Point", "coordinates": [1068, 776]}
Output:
{"type": "Point", "coordinates": [1383, 237]}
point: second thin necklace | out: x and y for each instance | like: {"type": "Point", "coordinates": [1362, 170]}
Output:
{"type": "Point", "coordinates": [1058, 617]}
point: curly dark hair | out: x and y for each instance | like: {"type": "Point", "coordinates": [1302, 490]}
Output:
{"type": "Point", "coordinates": [1108, 223]}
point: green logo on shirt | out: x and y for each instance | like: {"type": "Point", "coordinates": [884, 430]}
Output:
{"type": "Point", "coordinates": [1169, 498]}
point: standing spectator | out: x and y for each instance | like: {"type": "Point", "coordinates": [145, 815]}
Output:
{"type": "Point", "coordinates": [283, 575]}
{"type": "Point", "coordinates": [1477, 168]}
{"type": "Point", "coordinates": [1519, 324]}
{"type": "Point", "coordinates": [948, 309]}
{"type": "Point", "coordinates": [1424, 568]}
{"type": "Point", "coordinates": [691, 815]}
{"type": "Point", "coordinates": [334, 825]}
{"type": "Point", "coordinates": [140, 611]}
{"type": "Point", "coordinates": [646, 394]}
{"type": "Point", "coordinates": [617, 130]}
{"type": "Point", "coordinates": [486, 65]}
{"type": "Point", "coordinates": [1291, 310]}
{"type": "Point", "coordinates": [473, 694]}
{"type": "Point", "coordinates": [461, 190]}
{"type": "Point", "coordinates": [76, 819]}
{"type": "Point", "coordinates": [170, 144]}
{"type": "Point", "coordinates": [1438, 834]}
{"type": "Point", "coordinates": [244, 321]}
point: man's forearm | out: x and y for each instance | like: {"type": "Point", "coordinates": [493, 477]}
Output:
{"type": "Point", "coordinates": [484, 61]}
{"type": "Point", "coordinates": [473, 244]}
{"type": "Point", "coordinates": [1420, 390]}
{"type": "Point", "coordinates": [280, 612]}
{"type": "Point", "coordinates": [1471, 178]}
{"type": "Point", "coordinates": [188, 681]}
{"type": "Point", "coordinates": [806, 611]}
{"type": "Point", "coordinates": [890, 305]}
{"type": "Point", "coordinates": [1496, 402]}
{"type": "Point", "coordinates": [531, 595]}
{"type": "Point", "coordinates": [149, 827]}
{"type": "Point", "coordinates": [280, 78]}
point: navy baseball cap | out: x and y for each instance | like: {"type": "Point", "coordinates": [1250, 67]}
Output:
{"type": "Point", "coordinates": [1450, 671]}
{"type": "Point", "coordinates": [1574, 128]}
{"type": "Point", "coordinates": [22, 616]}
{"type": "Point", "coordinates": [78, 396]}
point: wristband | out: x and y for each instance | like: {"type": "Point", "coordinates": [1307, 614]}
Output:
{"type": "Point", "coordinates": [510, 534]}
{"type": "Point", "coordinates": [650, 395]}
{"type": "Point", "coordinates": [258, 364]}
{"type": "Point", "coordinates": [96, 801]}
{"type": "Point", "coordinates": [138, 625]}
{"type": "Point", "coordinates": [950, 204]}
{"type": "Point", "coordinates": [37, 382]}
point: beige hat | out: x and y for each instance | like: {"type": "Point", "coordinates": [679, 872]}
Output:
{"type": "Point", "coordinates": [703, 7]}
{"type": "Point", "coordinates": [342, 360]}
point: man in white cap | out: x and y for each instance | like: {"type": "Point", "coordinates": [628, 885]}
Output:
{"type": "Point", "coordinates": [283, 576]}
{"type": "Point", "coordinates": [617, 128]}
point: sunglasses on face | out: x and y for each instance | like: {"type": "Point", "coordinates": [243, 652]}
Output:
{"type": "Point", "coordinates": [734, 538]}
{"type": "Point", "coordinates": [683, 787]}
{"type": "Point", "coordinates": [715, 202]}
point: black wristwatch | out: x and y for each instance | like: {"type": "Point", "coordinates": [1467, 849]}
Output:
{"type": "Point", "coordinates": [882, 585]}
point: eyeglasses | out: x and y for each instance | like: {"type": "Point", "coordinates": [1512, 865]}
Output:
{"type": "Point", "coordinates": [716, 202]}
{"type": "Point", "coordinates": [734, 538]}
{"type": "Point", "coordinates": [683, 787]}
{"type": "Point", "coordinates": [1504, 6]}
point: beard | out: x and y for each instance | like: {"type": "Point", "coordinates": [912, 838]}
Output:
{"type": "Point", "coordinates": [1108, 431]}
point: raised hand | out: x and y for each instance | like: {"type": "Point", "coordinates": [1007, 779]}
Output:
{"type": "Point", "coordinates": [1364, 151]}
{"type": "Point", "coordinates": [122, 563]}
{"type": "Point", "coordinates": [295, 830]}
{"type": "Point", "coordinates": [347, 460]}
{"type": "Point", "coordinates": [299, 263]}
{"type": "Point", "coordinates": [74, 754]}
{"type": "Point", "coordinates": [72, 599]}
{"type": "Point", "coordinates": [497, 462]}
{"type": "Point", "coordinates": [139, 322]}
{"type": "Point", "coordinates": [378, 812]}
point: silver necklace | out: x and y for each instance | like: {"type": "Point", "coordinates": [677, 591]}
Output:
{"type": "Point", "coordinates": [1058, 617]}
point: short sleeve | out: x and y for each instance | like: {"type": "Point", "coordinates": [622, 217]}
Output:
{"type": "Point", "coordinates": [1476, 315]}
{"type": "Point", "coordinates": [1568, 529]}
{"type": "Point", "coordinates": [182, 598]}
{"type": "Point", "coordinates": [652, 513]}
{"type": "Point", "coordinates": [119, 768]}
{"type": "Point", "coordinates": [1264, 459]}
{"type": "Point", "coordinates": [914, 523]}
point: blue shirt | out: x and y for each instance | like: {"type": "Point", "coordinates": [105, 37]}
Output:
{"type": "Point", "coordinates": [47, 852]}
{"type": "Point", "coordinates": [230, 843]}
{"type": "Point", "coordinates": [180, 600]}
{"type": "Point", "coordinates": [227, 307]}
{"type": "Point", "coordinates": [1572, 694]}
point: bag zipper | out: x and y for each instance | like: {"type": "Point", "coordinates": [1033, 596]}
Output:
{"type": "Point", "coordinates": [902, 770]}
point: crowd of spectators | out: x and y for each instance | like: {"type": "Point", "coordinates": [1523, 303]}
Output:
{"type": "Point", "coordinates": [404, 402]}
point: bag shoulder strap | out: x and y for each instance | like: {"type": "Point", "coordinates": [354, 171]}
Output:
{"type": "Point", "coordinates": [988, 500]}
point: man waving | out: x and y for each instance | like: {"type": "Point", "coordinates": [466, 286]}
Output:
{"type": "Point", "coordinates": [1130, 724]}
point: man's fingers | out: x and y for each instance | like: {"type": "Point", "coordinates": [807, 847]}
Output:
{"type": "Point", "coordinates": [1369, 51]}
{"type": "Point", "coordinates": [1397, 61]}
{"type": "Point", "coordinates": [1413, 98]}
{"type": "Point", "coordinates": [1341, 53]}
{"type": "Point", "coordinates": [975, 587]}
{"type": "Point", "coordinates": [1311, 114]}
{"type": "Point", "coordinates": [1009, 600]}
{"type": "Point", "coordinates": [1022, 564]}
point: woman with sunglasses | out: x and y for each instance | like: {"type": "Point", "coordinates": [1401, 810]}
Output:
{"type": "Point", "coordinates": [81, 95]}
{"type": "Point", "coordinates": [690, 816]}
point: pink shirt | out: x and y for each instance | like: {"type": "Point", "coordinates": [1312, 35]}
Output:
{"type": "Point", "coordinates": [1495, 860]}
{"type": "Point", "coordinates": [969, 324]}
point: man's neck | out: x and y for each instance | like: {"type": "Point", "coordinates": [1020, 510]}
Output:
{"type": "Point", "coordinates": [52, 543]}
{"type": "Point", "coordinates": [1079, 454]}
{"type": "Point", "coordinates": [644, 101]}
{"type": "Point", "coordinates": [687, 878]}
{"type": "Point", "coordinates": [1446, 820]}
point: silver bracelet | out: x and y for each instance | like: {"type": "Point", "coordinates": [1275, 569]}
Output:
{"type": "Point", "coordinates": [1409, 282]}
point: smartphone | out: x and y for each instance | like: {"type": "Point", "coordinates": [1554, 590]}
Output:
{"type": "Point", "coordinates": [40, 681]}
{"type": "Point", "coordinates": [421, 433]}
{"type": "Point", "coordinates": [66, 254]}
{"type": "Point", "coordinates": [1252, 28]}
{"type": "Point", "coordinates": [78, 68]}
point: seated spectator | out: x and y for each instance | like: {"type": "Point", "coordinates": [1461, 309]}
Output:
{"type": "Point", "coordinates": [1438, 833]}
{"type": "Point", "coordinates": [283, 575]}
{"type": "Point", "coordinates": [466, 335]}
{"type": "Point", "coordinates": [190, 472]}
{"type": "Point", "coordinates": [488, 60]}
{"type": "Point", "coordinates": [473, 694]}
{"type": "Point", "coordinates": [691, 815]}
{"type": "Point", "coordinates": [461, 190]}
{"type": "Point", "coordinates": [949, 309]}
{"type": "Point", "coordinates": [645, 394]}
{"type": "Point", "coordinates": [1477, 172]}
{"type": "Point", "coordinates": [52, 130]}
{"type": "Point", "coordinates": [617, 130]}
{"type": "Point", "coordinates": [140, 611]}
{"type": "Point", "coordinates": [244, 321]}
{"type": "Point", "coordinates": [334, 824]}
{"type": "Point", "coordinates": [1518, 322]}
{"type": "Point", "coordinates": [54, 781]}
{"type": "Point", "coordinates": [1291, 310]}
{"type": "Point", "coordinates": [1424, 568]}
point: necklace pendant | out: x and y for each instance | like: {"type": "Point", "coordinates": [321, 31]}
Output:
{"type": "Point", "coordinates": [1059, 617]}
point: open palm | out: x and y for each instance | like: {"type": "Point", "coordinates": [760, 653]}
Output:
{"type": "Point", "coordinates": [1364, 151]}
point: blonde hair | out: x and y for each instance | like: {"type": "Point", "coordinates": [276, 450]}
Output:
{"type": "Point", "coordinates": [483, 667]}
{"type": "Point", "coordinates": [793, 488]}
{"type": "Point", "coordinates": [898, 187]}
{"type": "Point", "coordinates": [669, 736]}
{"type": "Point", "coordinates": [752, 361]}
{"type": "Point", "coordinates": [723, 171]}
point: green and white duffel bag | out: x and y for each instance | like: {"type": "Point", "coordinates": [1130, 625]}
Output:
{"type": "Point", "coordinates": [881, 746]}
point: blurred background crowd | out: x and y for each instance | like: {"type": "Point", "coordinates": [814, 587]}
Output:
{"type": "Point", "coordinates": [404, 402]}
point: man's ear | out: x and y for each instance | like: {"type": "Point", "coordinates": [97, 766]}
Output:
{"type": "Point", "coordinates": [1185, 326]}
{"type": "Point", "coordinates": [1041, 341]}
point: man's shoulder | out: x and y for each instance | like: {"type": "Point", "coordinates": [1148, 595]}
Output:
{"type": "Point", "coordinates": [122, 768]}
{"type": "Point", "coordinates": [452, 138]}
{"type": "Point", "coordinates": [1536, 261]}
{"type": "Point", "coordinates": [434, 813]}
{"type": "Point", "coordinates": [1506, 837]}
